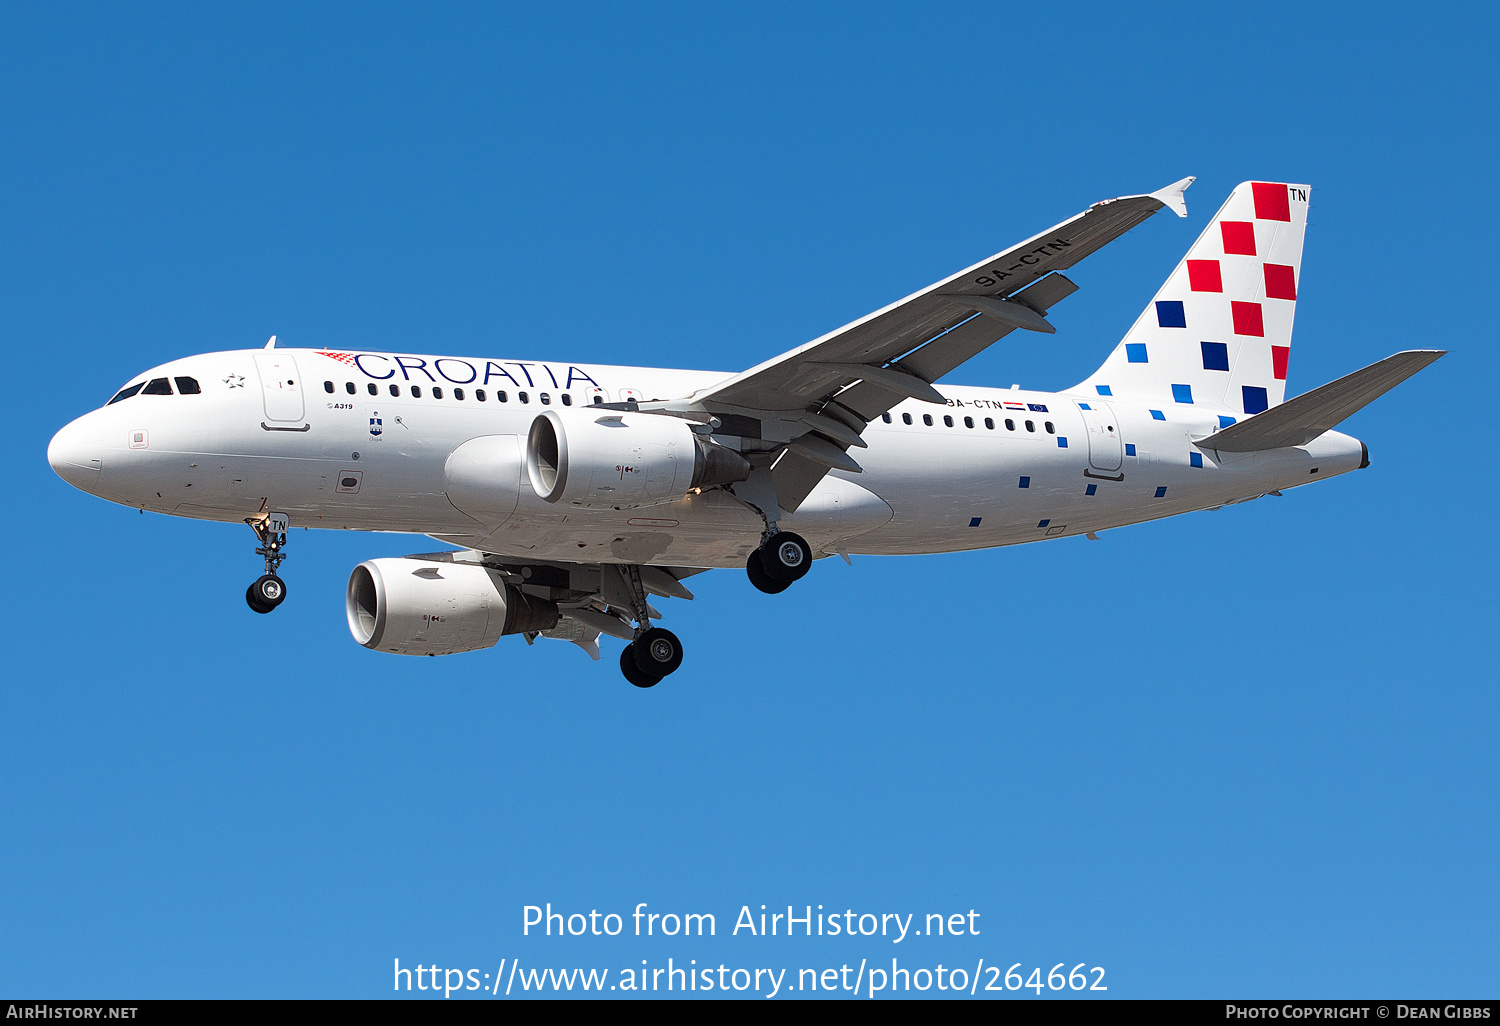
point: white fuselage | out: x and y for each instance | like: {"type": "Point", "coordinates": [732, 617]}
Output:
{"type": "Point", "coordinates": [264, 434]}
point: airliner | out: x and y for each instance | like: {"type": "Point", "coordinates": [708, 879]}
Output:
{"type": "Point", "coordinates": [571, 496]}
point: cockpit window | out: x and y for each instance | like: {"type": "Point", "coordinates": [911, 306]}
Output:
{"type": "Point", "coordinates": [187, 386]}
{"type": "Point", "coordinates": [157, 386]}
{"type": "Point", "coordinates": [126, 393]}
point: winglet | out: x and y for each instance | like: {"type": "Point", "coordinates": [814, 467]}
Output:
{"type": "Point", "coordinates": [1173, 196]}
{"type": "Point", "coordinates": [271, 344]}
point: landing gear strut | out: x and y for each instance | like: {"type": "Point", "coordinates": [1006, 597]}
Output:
{"type": "Point", "coordinates": [268, 591]}
{"type": "Point", "coordinates": [783, 557]}
{"type": "Point", "coordinates": [655, 652]}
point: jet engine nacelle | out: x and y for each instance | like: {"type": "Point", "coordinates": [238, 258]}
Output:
{"type": "Point", "coordinates": [614, 460]}
{"type": "Point", "coordinates": [422, 607]}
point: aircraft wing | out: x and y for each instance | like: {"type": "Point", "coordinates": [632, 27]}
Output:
{"type": "Point", "coordinates": [819, 397]}
{"type": "Point", "coordinates": [934, 330]}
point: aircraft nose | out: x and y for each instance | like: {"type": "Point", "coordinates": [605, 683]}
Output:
{"type": "Point", "coordinates": [77, 453]}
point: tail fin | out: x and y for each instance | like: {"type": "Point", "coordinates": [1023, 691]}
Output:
{"type": "Point", "coordinates": [1219, 332]}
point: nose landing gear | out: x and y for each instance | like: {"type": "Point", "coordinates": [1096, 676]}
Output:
{"type": "Point", "coordinates": [268, 591]}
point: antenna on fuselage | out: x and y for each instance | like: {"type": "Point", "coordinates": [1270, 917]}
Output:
{"type": "Point", "coordinates": [271, 344]}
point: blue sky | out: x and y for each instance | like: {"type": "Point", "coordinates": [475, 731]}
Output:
{"type": "Point", "coordinates": [1248, 752]}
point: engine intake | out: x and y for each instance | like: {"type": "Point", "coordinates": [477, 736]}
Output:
{"type": "Point", "coordinates": [619, 460]}
{"type": "Point", "coordinates": [422, 607]}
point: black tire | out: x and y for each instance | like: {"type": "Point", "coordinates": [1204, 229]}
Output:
{"type": "Point", "coordinates": [758, 576]}
{"type": "Point", "coordinates": [633, 672]}
{"type": "Point", "coordinates": [785, 557]}
{"type": "Point", "coordinates": [269, 591]}
{"type": "Point", "coordinates": [254, 603]}
{"type": "Point", "coordinates": [657, 652]}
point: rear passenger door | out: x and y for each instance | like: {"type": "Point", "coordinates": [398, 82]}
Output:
{"type": "Point", "coordinates": [1106, 451]}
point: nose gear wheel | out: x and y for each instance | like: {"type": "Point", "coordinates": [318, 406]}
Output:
{"type": "Point", "coordinates": [266, 593]}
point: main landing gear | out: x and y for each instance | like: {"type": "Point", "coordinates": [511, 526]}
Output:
{"type": "Point", "coordinates": [782, 559]}
{"type": "Point", "coordinates": [654, 652]}
{"type": "Point", "coordinates": [268, 591]}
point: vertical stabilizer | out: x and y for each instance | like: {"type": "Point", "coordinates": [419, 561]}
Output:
{"type": "Point", "coordinates": [1219, 332]}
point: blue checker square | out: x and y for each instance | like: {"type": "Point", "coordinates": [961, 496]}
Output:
{"type": "Point", "coordinates": [1161, 491]}
{"type": "Point", "coordinates": [974, 521]}
{"type": "Point", "coordinates": [1158, 415]}
{"type": "Point", "coordinates": [1182, 393]}
{"type": "Point", "coordinates": [1129, 448]}
{"type": "Point", "coordinates": [1103, 390]}
{"type": "Point", "coordinates": [1062, 442]}
{"type": "Point", "coordinates": [1135, 352]}
{"type": "Point", "coordinates": [1091, 490]}
{"type": "Point", "coordinates": [1169, 313]}
{"type": "Point", "coordinates": [1195, 459]}
{"type": "Point", "coordinates": [1255, 399]}
{"type": "Point", "coordinates": [1215, 356]}
{"type": "Point", "coordinates": [1224, 421]}
{"type": "Point", "coordinates": [1043, 523]}
{"type": "Point", "coordinates": [1025, 482]}
{"type": "Point", "coordinates": [1084, 406]}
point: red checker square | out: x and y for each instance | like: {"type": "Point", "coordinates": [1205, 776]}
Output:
{"type": "Point", "coordinates": [1247, 319]}
{"type": "Point", "coordinates": [1279, 356]}
{"type": "Point", "coordinates": [1204, 276]}
{"type": "Point", "coordinates": [1239, 237]}
{"type": "Point", "coordinates": [1281, 282]}
{"type": "Point", "coordinates": [1271, 201]}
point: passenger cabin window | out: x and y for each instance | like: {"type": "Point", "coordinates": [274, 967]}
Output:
{"type": "Point", "coordinates": [598, 400]}
{"type": "Point", "coordinates": [458, 394]}
{"type": "Point", "coordinates": [1010, 425]}
{"type": "Point", "coordinates": [127, 392]}
{"type": "Point", "coordinates": [567, 399]}
{"type": "Point", "coordinates": [437, 391]}
{"type": "Point", "coordinates": [989, 422]}
{"type": "Point", "coordinates": [948, 421]}
{"type": "Point", "coordinates": [502, 397]}
{"type": "Point", "coordinates": [523, 397]}
{"type": "Point", "coordinates": [328, 386]}
{"type": "Point", "coordinates": [372, 388]}
{"type": "Point", "coordinates": [906, 418]}
{"type": "Point", "coordinates": [968, 422]}
{"type": "Point", "coordinates": [395, 390]}
{"type": "Point", "coordinates": [1030, 426]}
{"type": "Point", "coordinates": [1050, 429]}
{"type": "Point", "coordinates": [927, 419]}
{"type": "Point", "coordinates": [886, 417]}
{"type": "Point", "coordinates": [349, 387]}
{"type": "Point", "coordinates": [479, 394]}
{"type": "Point", "coordinates": [187, 386]}
{"type": "Point", "coordinates": [416, 391]}
{"type": "Point", "coordinates": [546, 399]}
{"type": "Point", "coordinates": [157, 386]}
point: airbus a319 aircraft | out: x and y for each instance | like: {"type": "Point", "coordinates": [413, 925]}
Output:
{"type": "Point", "coordinates": [575, 494]}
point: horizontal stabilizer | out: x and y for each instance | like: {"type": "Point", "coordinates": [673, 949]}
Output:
{"type": "Point", "coordinates": [1300, 420]}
